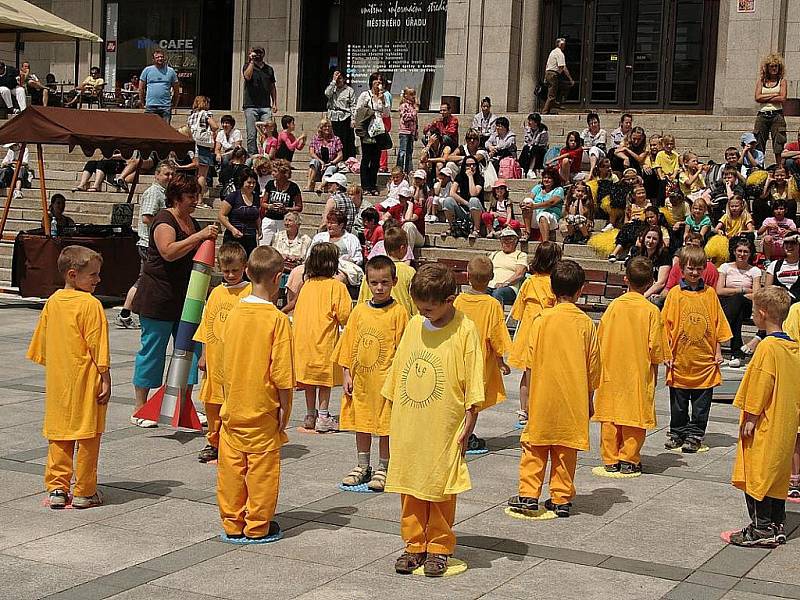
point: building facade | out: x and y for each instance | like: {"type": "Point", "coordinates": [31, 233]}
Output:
{"type": "Point", "coordinates": [639, 55]}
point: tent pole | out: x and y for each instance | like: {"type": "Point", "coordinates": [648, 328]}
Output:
{"type": "Point", "coordinates": [135, 179]}
{"type": "Point", "coordinates": [17, 48]}
{"type": "Point", "coordinates": [11, 189]}
{"type": "Point", "coordinates": [43, 190]}
{"type": "Point", "coordinates": [77, 59]}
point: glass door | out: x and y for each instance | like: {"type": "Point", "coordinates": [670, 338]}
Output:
{"type": "Point", "coordinates": [644, 60]}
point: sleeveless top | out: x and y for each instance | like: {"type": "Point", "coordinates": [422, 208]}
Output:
{"type": "Point", "coordinates": [771, 106]}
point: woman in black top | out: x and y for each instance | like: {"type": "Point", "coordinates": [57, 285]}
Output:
{"type": "Point", "coordinates": [240, 213]}
{"type": "Point", "coordinates": [281, 195]}
{"type": "Point", "coordinates": [631, 153]}
{"type": "Point", "coordinates": [651, 245]}
{"type": "Point", "coordinates": [174, 238]}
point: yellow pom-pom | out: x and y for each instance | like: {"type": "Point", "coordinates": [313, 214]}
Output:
{"type": "Point", "coordinates": [757, 177]}
{"type": "Point", "coordinates": [667, 215]}
{"type": "Point", "coordinates": [717, 250]}
{"type": "Point", "coordinates": [603, 243]}
{"type": "Point", "coordinates": [605, 204]}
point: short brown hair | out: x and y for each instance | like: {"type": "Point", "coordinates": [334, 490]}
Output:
{"type": "Point", "coordinates": [322, 261]}
{"type": "Point", "coordinates": [480, 270]}
{"type": "Point", "coordinates": [336, 216]}
{"type": "Point", "coordinates": [639, 272]}
{"type": "Point", "coordinates": [264, 264]}
{"type": "Point", "coordinates": [231, 252]}
{"type": "Point", "coordinates": [77, 258]}
{"type": "Point", "coordinates": [433, 282]}
{"type": "Point", "coordinates": [394, 239]}
{"type": "Point", "coordinates": [380, 263]}
{"type": "Point", "coordinates": [180, 184]}
{"type": "Point", "coordinates": [773, 300]}
{"type": "Point", "coordinates": [692, 256]}
{"type": "Point", "coordinates": [281, 164]}
{"type": "Point", "coordinates": [545, 257]}
{"type": "Point", "coordinates": [567, 278]}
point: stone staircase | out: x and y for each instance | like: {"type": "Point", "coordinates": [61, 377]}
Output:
{"type": "Point", "coordinates": [706, 135]}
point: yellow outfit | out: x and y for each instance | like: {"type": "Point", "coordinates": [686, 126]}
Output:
{"type": "Point", "coordinates": [769, 389]}
{"type": "Point", "coordinates": [400, 292]}
{"type": "Point", "coordinates": [564, 359]}
{"type": "Point", "coordinates": [487, 314]}
{"type": "Point", "coordinates": [435, 378]}
{"type": "Point", "coordinates": [695, 324]}
{"type": "Point", "coordinates": [632, 345]}
{"type": "Point", "coordinates": [256, 363]}
{"type": "Point", "coordinates": [734, 226]}
{"type": "Point", "coordinates": [534, 296]}
{"type": "Point", "coordinates": [366, 349]}
{"type": "Point", "coordinates": [668, 163]}
{"type": "Point", "coordinates": [71, 342]}
{"type": "Point", "coordinates": [322, 306]}
{"type": "Point", "coordinates": [220, 302]}
{"type": "Point", "coordinates": [696, 186]}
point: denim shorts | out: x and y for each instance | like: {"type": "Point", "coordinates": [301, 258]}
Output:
{"type": "Point", "coordinates": [205, 156]}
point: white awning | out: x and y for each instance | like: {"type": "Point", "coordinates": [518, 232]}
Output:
{"type": "Point", "coordinates": [37, 25]}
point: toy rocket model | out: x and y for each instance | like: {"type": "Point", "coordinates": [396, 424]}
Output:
{"type": "Point", "coordinates": [172, 403]}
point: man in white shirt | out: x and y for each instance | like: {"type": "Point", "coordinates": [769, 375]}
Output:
{"type": "Point", "coordinates": [556, 70]}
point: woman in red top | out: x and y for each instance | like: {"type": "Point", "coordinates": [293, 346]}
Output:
{"type": "Point", "coordinates": [569, 160]}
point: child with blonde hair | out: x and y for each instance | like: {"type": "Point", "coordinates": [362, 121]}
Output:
{"type": "Point", "coordinates": [408, 131]}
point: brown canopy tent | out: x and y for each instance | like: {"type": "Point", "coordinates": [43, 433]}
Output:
{"type": "Point", "coordinates": [91, 130]}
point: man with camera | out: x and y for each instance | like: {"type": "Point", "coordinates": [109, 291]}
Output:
{"type": "Point", "coordinates": [260, 94]}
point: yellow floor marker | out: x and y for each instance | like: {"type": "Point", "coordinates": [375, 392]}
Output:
{"type": "Point", "coordinates": [530, 515]}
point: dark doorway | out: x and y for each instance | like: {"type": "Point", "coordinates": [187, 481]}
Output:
{"type": "Point", "coordinates": [216, 52]}
{"type": "Point", "coordinates": [319, 51]}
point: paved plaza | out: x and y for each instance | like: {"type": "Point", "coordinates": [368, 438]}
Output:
{"type": "Point", "coordinates": [156, 536]}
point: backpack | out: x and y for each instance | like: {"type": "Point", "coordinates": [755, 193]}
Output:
{"type": "Point", "coordinates": [201, 132]}
{"type": "Point", "coordinates": [509, 168]}
{"type": "Point", "coordinates": [462, 227]}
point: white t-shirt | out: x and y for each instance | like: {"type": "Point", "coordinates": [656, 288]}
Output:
{"type": "Point", "coordinates": [227, 143]}
{"type": "Point", "coordinates": [735, 277]}
{"type": "Point", "coordinates": [556, 59]}
{"type": "Point", "coordinates": [788, 273]}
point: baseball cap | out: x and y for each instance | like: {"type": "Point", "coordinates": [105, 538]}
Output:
{"type": "Point", "coordinates": [337, 178]}
{"type": "Point", "coordinates": [748, 138]}
{"type": "Point", "coordinates": [508, 232]}
{"type": "Point", "coordinates": [404, 190]}
{"type": "Point", "coordinates": [420, 174]}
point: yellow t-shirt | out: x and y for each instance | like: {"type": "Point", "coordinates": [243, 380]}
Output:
{"type": "Point", "coordinates": [256, 363]}
{"type": "Point", "coordinates": [769, 389]}
{"type": "Point", "coordinates": [696, 186]}
{"type": "Point", "coordinates": [668, 163]}
{"type": "Point", "coordinates": [220, 302]}
{"type": "Point", "coordinates": [487, 314]}
{"type": "Point", "coordinates": [366, 348]}
{"type": "Point", "coordinates": [632, 345]}
{"type": "Point", "coordinates": [322, 306]}
{"type": "Point", "coordinates": [792, 323]}
{"type": "Point", "coordinates": [695, 324]}
{"type": "Point", "coordinates": [435, 378]}
{"type": "Point", "coordinates": [534, 296]}
{"type": "Point", "coordinates": [734, 227]}
{"type": "Point", "coordinates": [71, 342]}
{"type": "Point", "coordinates": [564, 359]}
{"type": "Point", "coordinates": [400, 292]}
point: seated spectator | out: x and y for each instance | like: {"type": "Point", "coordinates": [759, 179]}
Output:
{"type": "Point", "coordinates": [445, 180]}
{"type": "Point", "coordinates": [736, 220]}
{"type": "Point", "coordinates": [395, 208]}
{"type": "Point", "coordinates": [501, 211]}
{"type": "Point", "coordinates": [484, 121]}
{"type": "Point", "coordinates": [502, 142]}
{"type": "Point", "coordinates": [569, 161]}
{"type": "Point", "coordinates": [287, 142]}
{"type": "Point", "coordinates": [40, 93]}
{"type": "Point", "coordinates": [10, 89]}
{"type": "Point", "coordinates": [413, 222]}
{"type": "Point", "coordinates": [326, 152]}
{"type": "Point", "coordinates": [373, 231]}
{"type": "Point", "coordinates": [621, 133]}
{"type": "Point", "coordinates": [635, 223]}
{"type": "Point", "coordinates": [350, 255]}
{"type": "Point", "coordinates": [509, 267]}
{"type": "Point", "coordinates": [752, 158]}
{"type": "Point", "coordinates": [578, 220]}
{"type": "Point", "coordinates": [697, 221]}
{"type": "Point", "coordinates": [649, 176]}
{"type": "Point", "coordinates": [602, 172]}
{"type": "Point", "coordinates": [89, 89]}
{"type": "Point", "coordinates": [279, 197]}
{"type": "Point", "coordinates": [379, 249]}
{"type": "Point", "coordinates": [471, 147]}
{"type": "Point", "coordinates": [229, 172]}
{"type": "Point", "coordinates": [338, 200]}
{"type": "Point", "coordinates": [397, 178]}
{"type": "Point", "coordinates": [106, 167]}
{"type": "Point", "coordinates": [8, 165]}
{"type": "Point", "coordinates": [667, 165]}
{"type": "Point", "coordinates": [651, 244]}
{"type": "Point", "coordinates": [595, 139]}
{"type": "Point", "coordinates": [465, 198]}
{"type": "Point", "coordinates": [360, 203]}
{"type": "Point", "coordinates": [776, 187]}
{"type": "Point", "coordinates": [774, 229]}
{"type": "Point", "coordinates": [267, 138]}
{"type": "Point", "coordinates": [434, 156]}
{"type": "Point", "coordinates": [130, 93]}
{"type": "Point", "coordinates": [537, 141]}
{"type": "Point", "coordinates": [791, 157]}
{"type": "Point", "coordinates": [541, 209]}
{"type": "Point", "coordinates": [445, 124]}
{"type": "Point", "coordinates": [631, 152]}
{"type": "Point", "coordinates": [738, 281]}
{"type": "Point", "coordinates": [292, 244]}
{"type": "Point", "coordinates": [128, 174]}
{"type": "Point", "coordinates": [228, 139]}
{"type": "Point", "coordinates": [691, 178]}
{"type": "Point", "coordinates": [240, 213]}
{"type": "Point", "coordinates": [58, 204]}
{"type": "Point", "coordinates": [710, 273]}
{"type": "Point", "coordinates": [722, 192]}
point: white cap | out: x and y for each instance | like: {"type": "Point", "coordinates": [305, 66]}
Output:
{"type": "Point", "coordinates": [404, 190]}
{"type": "Point", "coordinates": [337, 178]}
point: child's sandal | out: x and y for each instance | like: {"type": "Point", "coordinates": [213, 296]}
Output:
{"type": "Point", "coordinates": [378, 481]}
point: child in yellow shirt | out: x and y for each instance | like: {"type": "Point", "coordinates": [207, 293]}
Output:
{"type": "Point", "coordinates": [435, 386]}
{"type": "Point", "coordinates": [395, 242]}
{"type": "Point", "coordinates": [232, 259]}
{"type": "Point", "coordinates": [365, 352]}
{"type": "Point", "coordinates": [632, 345]}
{"type": "Point", "coordinates": [487, 314]}
{"type": "Point", "coordinates": [534, 296]}
{"type": "Point", "coordinates": [323, 305]}
{"type": "Point", "coordinates": [564, 362]}
{"type": "Point", "coordinates": [770, 407]}
{"type": "Point", "coordinates": [257, 382]}
{"type": "Point", "coordinates": [792, 327]}
{"type": "Point", "coordinates": [667, 161]}
{"type": "Point", "coordinates": [695, 326]}
{"type": "Point", "coordinates": [71, 342]}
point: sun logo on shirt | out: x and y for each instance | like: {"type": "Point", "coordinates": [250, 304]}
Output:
{"type": "Point", "coordinates": [370, 352]}
{"type": "Point", "coordinates": [422, 380]}
{"type": "Point", "coordinates": [216, 320]}
{"type": "Point", "coordinates": [695, 326]}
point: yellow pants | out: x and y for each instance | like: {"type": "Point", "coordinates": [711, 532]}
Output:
{"type": "Point", "coordinates": [621, 443]}
{"type": "Point", "coordinates": [428, 526]}
{"type": "Point", "coordinates": [58, 473]}
{"type": "Point", "coordinates": [532, 466]}
{"type": "Point", "coordinates": [214, 423]}
{"type": "Point", "coordinates": [247, 489]}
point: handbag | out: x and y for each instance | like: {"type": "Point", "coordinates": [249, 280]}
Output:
{"type": "Point", "coordinates": [489, 176]}
{"type": "Point", "coordinates": [540, 91]}
{"type": "Point", "coordinates": [201, 132]}
{"type": "Point", "coordinates": [383, 141]}
{"type": "Point", "coordinates": [362, 119]}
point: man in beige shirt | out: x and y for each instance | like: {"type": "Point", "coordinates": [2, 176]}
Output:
{"type": "Point", "coordinates": [555, 70]}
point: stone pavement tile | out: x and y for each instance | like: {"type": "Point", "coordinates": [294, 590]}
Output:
{"type": "Point", "coordinates": [20, 485]}
{"type": "Point", "coordinates": [13, 397]}
{"type": "Point", "coordinates": [16, 414]}
{"type": "Point", "coordinates": [694, 591]}
{"type": "Point", "coordinates": [650, 569]}
{"type": "Point", "coordinates": [686, 535]}
{"type": "Point", "coordinates": [243, 574]}
{"type": "Point", "coordinates": [768, 588]}
{"type": "Point", "coordinates": [723, 582]}
{"type": "Point", "coordinates": [188, 556]}
{"type": "Point", "coordinates": [97, 548]}
{"type": "Point", "coordinates": [494, 478]}
{"type": "Point", "coordinates": [298, 489]}
{"type": "Point", "coordinates": [22, 437]}
{"type": "Point", "coordinates": [358, 585]}
{"type": "Point", "coordinates": [737, 595]}
{"type": "Point", "coordinates": [387, 506]}
{"type": "Point", "coordinates": [154, 592]}
{"type": "Point", "coordinates": [20, 467]}
{"type": "Point", "coordinates": [780, 565]}
{"type": "Point", "coordinates": [486, 571]}
{"type": "Point", "coordinates": [183, 519]}
{"type": "Point", "coordinates": [20, 526]}
{"type": "Point", "coordinates": [570, 555]}
{"type": "Point", "coordinates": [185, 469]}
{"type": "Point", "coordinates": [553, 579]}
{"type": "Point", "coordinates": [343, 547]}
{"type": "Point", "coordinates": [734, 561]}
{"type": "Point", "coordinates": [31, 579]}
